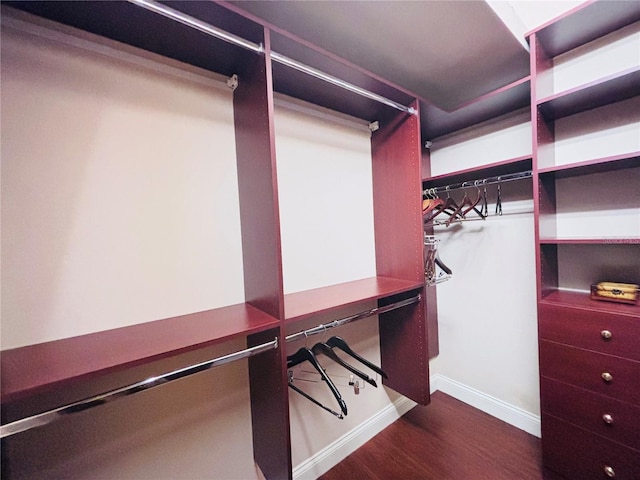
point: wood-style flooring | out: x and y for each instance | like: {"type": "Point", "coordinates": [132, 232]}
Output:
{"type": "Point", "coordinates": [445, 440]}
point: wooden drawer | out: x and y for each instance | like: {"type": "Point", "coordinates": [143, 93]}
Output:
{"type": "Point", "coordinates": [588, 329]}
{"type": "Point", "coordinates": [578, 454]}
{"type": "Point", "coordinates": [587, 410]}
{"type": "Point", "coordinates": [585, 369]}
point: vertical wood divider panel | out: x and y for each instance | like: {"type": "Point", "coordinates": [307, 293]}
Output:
{"type": "Point", "coordinates": [430, 292]}
{"type": "Point", "coordinates": [262, 260]}
{"type": "Point", "coordinates": [397, 186]}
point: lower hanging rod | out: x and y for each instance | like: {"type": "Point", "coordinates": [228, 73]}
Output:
{"type": "Point", "coordinates": [358, 316]}
{"type": "Point", "coordinates": [49, 416]}
{"type": "Point", "coordinates": [479, 183]}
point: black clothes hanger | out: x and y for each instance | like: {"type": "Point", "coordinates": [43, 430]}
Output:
{"type": "Point", "coordinates": [441, 264]}
{"type": "Point", "coordinates": [324, 349]}
{"type": "Point", "coordinates": [306, 355]}
{"type": "Point", "coordinates": [337, 342]}
{"type": "Point", "coordinates": [309, 397]}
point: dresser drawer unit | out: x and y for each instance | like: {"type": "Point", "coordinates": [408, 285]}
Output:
{"type": "Point", "coordinates": [609, 333]}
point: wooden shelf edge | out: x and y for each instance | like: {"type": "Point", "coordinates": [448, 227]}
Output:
{"type": "Point", "coordinates": [43, 367]}
{"type": "Point", "coordinates": [302, 305]}
{"type": "Point", "coordinates": [608, 90]}
{"type": "Point", "coordinates": [590, 241]}
{"type": "Point", "coordinates": [597, 165]}
{"type": "Point", "coordinates": [581, 300]}
{"type": "Point", "coordinates": [511, 165]}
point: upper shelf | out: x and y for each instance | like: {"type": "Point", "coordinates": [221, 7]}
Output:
{"type": "Point", "coordinates": [47, 366]}
{"type": "Point", "coordinates": [513, 165]}
{"type": "Point", "coordinates": [510, 98]}
{"type": "Point", "coordinates": [605, 91]}
{"type": "Point", "coordinates": [584, 24]}
{"type": "Point", "coordinates": [301, 305]}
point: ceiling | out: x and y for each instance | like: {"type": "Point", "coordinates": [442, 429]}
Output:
{"type": "Point", "coordinates": [445, 52]}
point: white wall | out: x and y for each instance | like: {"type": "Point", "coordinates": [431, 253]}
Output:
{"type": "Point", "coordinates": [117, 181]}
{"type": "Point", "coordinates": [487, 311]}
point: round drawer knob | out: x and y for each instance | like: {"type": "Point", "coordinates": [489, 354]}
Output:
{"type": "Point", "coordinates": [607, 377]}
{"type": "Point", "coordinates": [609, 471]}
{"type": "Point", "coordinates": [606, 334]}
{"type": "Point", "coordinates": [607, 418]}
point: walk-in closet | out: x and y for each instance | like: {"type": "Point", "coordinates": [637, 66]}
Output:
{"type": "Point", "coordinates": [320, 240]}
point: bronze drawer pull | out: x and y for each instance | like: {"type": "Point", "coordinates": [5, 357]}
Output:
{"type": "Point", "coordinates": [607, 377]}
{"type": "Point", "coordinates": [606, 334]}
{"type": "Point", "coordinates": [609, 471]}
{"type": "Point", "coordinates": [607, 418]}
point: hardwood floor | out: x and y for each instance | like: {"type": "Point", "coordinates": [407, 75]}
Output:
{"type": "Point", "coordinates": [445, 440]}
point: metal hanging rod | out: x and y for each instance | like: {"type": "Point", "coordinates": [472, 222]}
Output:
{"type": "Point", "coordinates": [358, 316]}
{"type": "Point", "coordinates": [216, 32]}
{"type": "Point", "coordinates": [480, 182]}
{"type": "Point", "coordinates": [49, 416]}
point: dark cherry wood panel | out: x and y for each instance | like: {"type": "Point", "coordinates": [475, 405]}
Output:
{"type": "Point", "coordinates": [582, 300]}
{"type": "Point", "coordinates": [262, 260]}
{"type": "Point", "coordinates": [512, 165]}
{"type": "Point", "coordinates": [510, 98]}
{"type": "Point", "coordinates": [270, 408]}
{"type": "Point", "coordinates": [397, 190]}
{"type": "Point", "coordinates": [585, 368]}
{"type": "Point", "coordinates": [618, 421]}
{"type": "Point", "coordinates": [605, 91]}
{"type": "Point", "coordinates": [47, 366]}
{"type": "Point", "coordinates": [585, 23]}
{"type": "Point", "coordinates": [257, 185]}
{"type": "Point", "coordinates": [577, 453]}
{"type": "Point", "coordinates": [598, 165]}
{"type": "Point", "coordinates": [448, 440]}
{"type": "Point", "coordinates": [301, 305]}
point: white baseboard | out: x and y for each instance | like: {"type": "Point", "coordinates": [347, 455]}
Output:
{"type": "Point", "coordinates": [495, 407]}
{"type": "Point", "coordinates": [337, 451]}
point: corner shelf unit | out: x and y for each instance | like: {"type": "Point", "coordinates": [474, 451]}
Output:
{"type": "Point", "coordinates": [396, 164]}
{"type": "Point", "coordinates": [588, 230]}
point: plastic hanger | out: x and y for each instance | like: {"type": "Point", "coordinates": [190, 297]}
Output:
{"type": "Point", "coordinates": [337, 342]}
{"type": "Point", "coordinates": [324, 349]}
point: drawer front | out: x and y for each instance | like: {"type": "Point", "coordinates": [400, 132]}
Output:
{"type": "Point", "coordinates": [605, 416]}
{"type": "Point", "coordinates": [578, 454]}
{"type": "Point", "coordinates": [603, 332]}
{"type": "Point", "coordinates": [611, 376]}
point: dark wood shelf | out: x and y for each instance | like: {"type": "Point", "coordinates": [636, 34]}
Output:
{"type": "Point", "coordinates": [604, 91]}
{"type": "Point", "coordinates": [598, 165]}
{"type": "Point", "coordinates": [512, 165]}
{"type": "Point", "coordinates": [590, 241]}
{"type": "Point", "coordinates": [584, 24]}
{"type": "Point", "coordinates": [510, 98]}
{"type": "Point", "coordinates": [582, 300]}
{"type": "Point", "coordinates": [301, 305]}
{"type": "Point", "coordinates": [47, 366]}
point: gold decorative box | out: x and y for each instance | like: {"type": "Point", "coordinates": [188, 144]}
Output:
{"type": "Point", "coordinates": [615, 292]}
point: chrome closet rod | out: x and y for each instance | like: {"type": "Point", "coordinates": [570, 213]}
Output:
{"type": "Point", "coordinates": [358, 316]}
{"type": "Point", "coordinates": [480, 182]}
{"type": "Point", "coordinates": [204, 27]}
{"type": "Point", "coordinates": [49, 416]}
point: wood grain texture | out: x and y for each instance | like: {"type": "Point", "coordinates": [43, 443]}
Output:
{"type": "Point", "coordinates": [446, 440]}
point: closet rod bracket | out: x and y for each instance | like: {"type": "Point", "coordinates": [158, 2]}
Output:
{"type": "Point", "coordinates": [232, 82]}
